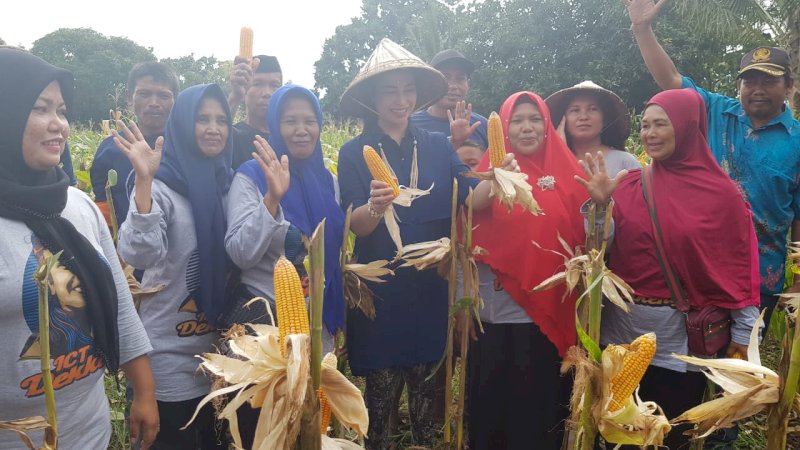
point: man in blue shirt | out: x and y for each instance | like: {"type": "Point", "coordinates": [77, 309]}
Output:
{"type": "Point", "coordinates": [151, 91]}
{"type": "Point", "coordinates": [457, 70]}
{"type": "Point", "coordinates": [754, 138]}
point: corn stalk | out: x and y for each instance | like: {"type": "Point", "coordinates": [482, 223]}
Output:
{"type": "Point", "coordinates": [778, 415]}
{"type": "Point", "coordinates": [310, 422]}
{"type": "Point", "coordinates": [467, 305]}
{"type": "Point", "coordinates": [112, 211]}
{"type": "Point", "coordinates": [451, 301]}
{"type": "Point", "coordinates": [588, 426]}
{"type": "Point", "coordinates": [42, 278]}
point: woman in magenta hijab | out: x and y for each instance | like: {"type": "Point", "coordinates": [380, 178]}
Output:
{"type": "Point", "coordinates": [709, 242]}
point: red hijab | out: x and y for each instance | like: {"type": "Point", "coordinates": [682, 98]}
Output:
{"type": "Point", "coordinates": [706, 224]}
{"type": "Point", "coordinates": [518, 264]}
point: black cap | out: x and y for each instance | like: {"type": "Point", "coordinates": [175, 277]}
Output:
{"type": "Point", "coordinates": [770, 60]}
{"type": "Point", "coordinates": [267, 64]}
{"type": "Point", "coordinates": [455, 58]}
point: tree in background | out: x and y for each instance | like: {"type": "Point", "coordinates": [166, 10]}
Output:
{"type": "Point", "coordinates": [538, 45]}
{"type": "Point", "coordinates": [206, 69]}
{"type": "Point", "coordinates": [99, 64]}
{"type": "Point", "coordinates": [743, 19]}
{"type": "Point", "coordinates": [2, 42]}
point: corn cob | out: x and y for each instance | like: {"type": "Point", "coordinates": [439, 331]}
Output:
{"type": "Point", "coordinates": [379, 170]}
{"type": "Point", "coordinates": [325, 408]}
{"type": "Point", "coordinates": [289, 301]}
{"type": "Point", "coordinates": [497, 143]}
{"type": "Point", "coordinates": [634, 364]}
{"type": "Point", "coordinates": [246, 43]}
{"type": "Point", "coordinates": [325, 412]}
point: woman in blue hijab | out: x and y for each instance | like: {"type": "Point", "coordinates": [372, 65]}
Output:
{"type": "Point", "coordinates": [282, 194]}
{"type": "Point", "coordinates": [275, 199]}
{"type": "Point", "coordinates": [175, 231]}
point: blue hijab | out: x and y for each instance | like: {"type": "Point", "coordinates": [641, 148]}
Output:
{"type": "Point", "coordinates": [204, 181]}
{"type": "Point", "coordinates": [310, 199]}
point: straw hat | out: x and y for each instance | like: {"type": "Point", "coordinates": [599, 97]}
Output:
{"type": "Point", "coordinates": [617, 121]}
{"type": "Point", "coordinates": [357, 98]}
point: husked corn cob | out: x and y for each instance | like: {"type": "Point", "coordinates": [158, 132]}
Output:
{"type": "Point", "coordinates": [634, 364]}
{"type": "Point", "coordinates": [328, 361]}
{"type": "Point", "coordinates": [325, 412]}
{"type": "Point", "coordinates": [289, 301]}
{"type": "Point", "coordinates": [497, 143]}
{"type": "Point", "coordinates": [379, 170]}
{"type": "Point", "coordinates": [246, 43]}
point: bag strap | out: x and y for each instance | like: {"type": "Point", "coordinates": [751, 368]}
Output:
{"type": "Point", "coordinates": [673, 283]}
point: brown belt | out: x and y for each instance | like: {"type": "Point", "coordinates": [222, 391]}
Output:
{"type": "Point", "coordinates": [650, 301]}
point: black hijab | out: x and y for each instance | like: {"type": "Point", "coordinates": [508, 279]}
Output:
{"type": "Point", "coordinates": [37, 198]}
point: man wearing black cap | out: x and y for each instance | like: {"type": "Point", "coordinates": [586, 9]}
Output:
{"type": "Point", "coordinates": [754, 138]}
{"type": "Point", "coordinates": [254, 87]}
{"type": "Point", "coordinates": [457, 70]}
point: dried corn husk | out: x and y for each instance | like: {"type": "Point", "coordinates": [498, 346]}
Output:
{"type": "Point", "coordinates": [637, 423]}
{"type": "Point", "coordinates": [137, 291]}
{"type": "Point", "coordinates": [23, 426]}
{"type": "Point", "coordinates": [425, 254]}
{"type": "Point", "coordinates": [749, 388]}
{"type": "Point", "coordinates": [262, 378]}
{"type": "Point", "coordinates": [577, 268]}
{"type": "Point", "coordinates": [509, 188]}
{"type": "Point", "coordinates": [356, 291]}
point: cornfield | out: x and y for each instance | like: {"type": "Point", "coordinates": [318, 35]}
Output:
{"type": "Point", "coordinates": [85, 140]}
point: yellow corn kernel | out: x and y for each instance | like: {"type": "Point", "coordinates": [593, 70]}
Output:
{"type": "Point", "coordinates": [379, 170]}
{"type": "Point", "coordinates": [325, 412]}
{"type": "Point", "coordinates": [289, 301]}
{"type": "Point", "coordinates": [497, 143]}
{"type": "Point", "coordinates": [634, 365]}
{"type": "Point", "coordinates": [246, 43]}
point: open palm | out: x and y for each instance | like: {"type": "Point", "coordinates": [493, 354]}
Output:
{"type": "Point", "coordinates": [643, 12]}
{"type": "Point", "coordinates": [145, 160]}
{"type": "Point", "coordinates": [276, 171]}
{"type": "Point", "coordinates": [597, 183]}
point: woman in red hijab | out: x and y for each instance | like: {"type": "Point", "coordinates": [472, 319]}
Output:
{"type": "Point", "coordinates": [516, 391]}
{"type": "Point", "coordinates": [709, 241]}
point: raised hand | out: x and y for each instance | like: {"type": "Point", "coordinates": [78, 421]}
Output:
{"type": "Point", "coordinates": [597, 182]}
{"type": "Point", "coordinates": [241, 75]}
{"type": "Point", "coordinates": [643, 12]}
{"type": "Point", "coordinates": [131, 142]}
{"type": "Point", "coordinates": [275, 171]}
{"type": "Point", "coordinates": [460, 129]}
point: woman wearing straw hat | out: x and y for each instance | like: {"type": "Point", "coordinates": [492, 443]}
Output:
{"type": "Point", "coordinates": [407, 336]}
{"type": "Point", "coordinates": [592, 119]}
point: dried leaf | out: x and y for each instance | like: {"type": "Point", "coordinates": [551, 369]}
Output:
{"type": "Point", "coordinates": [513, 187]}
{"type": "Point", "coordinates": [372, 271]}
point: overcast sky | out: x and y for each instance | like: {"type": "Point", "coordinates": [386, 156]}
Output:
{"type": "Point", "coordinates": [292, 30]}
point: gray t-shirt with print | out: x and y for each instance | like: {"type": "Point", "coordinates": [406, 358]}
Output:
{"type": "Point", "coordinates": [81, 403]}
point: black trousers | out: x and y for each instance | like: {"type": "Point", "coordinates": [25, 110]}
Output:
{"type": "Point", "coordinates": [518, 399]}
{"type": "Point", "coordinates": [381, 400]}
{"type": "Point", "coordinates": [205, 433]}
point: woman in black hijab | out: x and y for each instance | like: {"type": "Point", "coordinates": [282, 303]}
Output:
{"type": "Point", "coordinates": [94, 325]}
